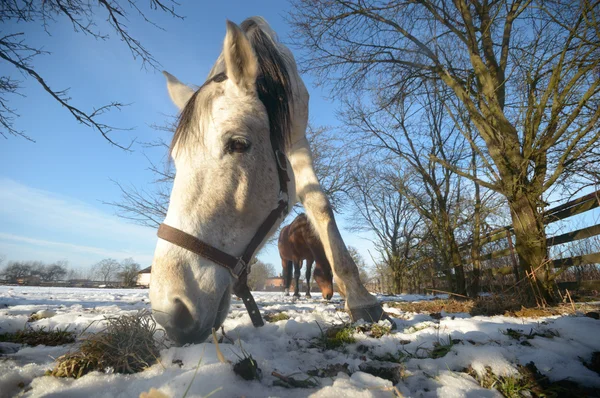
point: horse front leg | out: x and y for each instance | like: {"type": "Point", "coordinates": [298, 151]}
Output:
{"type": "Point", "coordinates": [309, 265]}
{"type": "Point", "coordinates": [287, 275]}
{"type": "Point", "coordinates": [360, 304]}
{"type": "Point", "coordinates": [297, 278]}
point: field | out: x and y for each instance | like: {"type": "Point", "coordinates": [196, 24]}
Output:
{"type": "Point", "coordinates": [431, 354]}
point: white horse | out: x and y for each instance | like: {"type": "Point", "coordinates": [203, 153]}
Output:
{"type": "Point", "coordinates": [253, 104]}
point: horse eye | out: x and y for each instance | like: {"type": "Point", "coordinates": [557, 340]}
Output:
{"type": "Point", "coordinates": [237, 145]}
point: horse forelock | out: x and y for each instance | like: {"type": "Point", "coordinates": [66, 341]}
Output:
{"type": "Point", "coordinates": [272, 85]}
{"type": "Point", "coordinates": [199, 104]}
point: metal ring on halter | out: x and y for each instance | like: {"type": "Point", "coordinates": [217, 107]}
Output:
{"type": "Point", "coordinates": [282, 163]}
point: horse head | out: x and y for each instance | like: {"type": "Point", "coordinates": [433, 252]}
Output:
{"type": "Point", "coordinates": [225, 151]}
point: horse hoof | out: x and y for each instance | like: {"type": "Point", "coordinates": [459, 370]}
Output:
{"type": "Point", "coordinates": [296, 296]}
{"type": "Point", "coordinates": [372, 314]}
{"type": "Point", "coordinates": [308, 295]}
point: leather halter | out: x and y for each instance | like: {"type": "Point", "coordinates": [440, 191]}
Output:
{"type": "Point", "coordinates": [237, 266]}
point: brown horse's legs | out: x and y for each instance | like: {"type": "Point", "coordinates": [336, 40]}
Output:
{"type": "Point", "coordinates": [297, 278]}
{"type": "Point", "coordinates": [287, 275]}
{"type": "Point", "coordinates": [309, 265]}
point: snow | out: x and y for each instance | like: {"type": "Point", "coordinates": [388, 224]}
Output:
{"type": "Point", "coordinates": [287, 347]}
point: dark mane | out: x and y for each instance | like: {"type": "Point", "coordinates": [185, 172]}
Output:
{"type": "Point", "coordinates": [273, 83]}
{"type": "Point", "coordinates": [272, 86]}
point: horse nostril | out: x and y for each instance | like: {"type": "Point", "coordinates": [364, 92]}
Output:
{"type": "Point", "coordinates": [182, 318]}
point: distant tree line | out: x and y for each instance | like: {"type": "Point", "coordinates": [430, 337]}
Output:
{"type": "Point", "coordinates": [15, 270]}
{"type": "Point", "coordinates": [107, 271]}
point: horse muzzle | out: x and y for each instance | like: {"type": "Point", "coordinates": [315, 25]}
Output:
{"type": "Point", "coordinates": [184, 325]}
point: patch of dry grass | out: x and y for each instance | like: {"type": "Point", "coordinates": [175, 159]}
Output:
{"type": "Point", "coordinates": [39, 336]}
{"type": "Point", "coordinates": [434, 306]}
{"type": "Point", "coordinates": [374, 330]}
{"type": "Point", "coordinates": [335, 337]}
{"type": "Point", "coordinates": [127, 345]}
{"type": "Point", "coordinates": [529, 382]}
{"type": "Point", "coordinates": [330, 370]}
{"type": "Point", "coordinates": [276, 316]}
{"type": "Point", "coordinates": [507, 305]}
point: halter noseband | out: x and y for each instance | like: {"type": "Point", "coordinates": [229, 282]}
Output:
{"type": "Point", "coordinates": [237, 266]}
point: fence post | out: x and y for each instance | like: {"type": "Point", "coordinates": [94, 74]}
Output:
{"type": "Point", "coordinates": [513, 257]}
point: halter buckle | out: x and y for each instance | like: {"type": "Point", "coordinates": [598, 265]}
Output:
{"type": "Point", "coordinates": [240, 266]}
{"type": "Point", "coordinates": [284, 197]}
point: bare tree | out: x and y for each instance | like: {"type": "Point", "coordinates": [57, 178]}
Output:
{"type": "Point", "coordinates": [106, 269]}
{"type": "Point", "coordinates": [330, 160]}
{"type": "Point", "coordinates": [260, 272]}
{"type": "Point", "coordinates": [363, 271]}
{"type": "Point", "coordinates": [381, 209]}
{"type": "Point", "coordinates": [74, 274]}
{"type": "Point", "coordinates": [17, 52]}
{"type": "Point", "coordinates": [15, 270]}
{"type": "Point", "coordinates": [54, 272]}
{"type": "Point", "coordinates": [412, 132]}
{"type": "Point", "coordinates": [128, 272]}
{"type": "Point", "coordinates": [525, 71]}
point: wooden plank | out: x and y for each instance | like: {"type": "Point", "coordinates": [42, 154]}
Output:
{"type": "Point", "coordinates": [592, 258]}
{"type": "Point", "coordinates": [500, 234]}
{"type": "Point", "coordinates": [559, 263]}
{"type": "Point", "coordinates": [568, 285]}
{"type": "Point", "coordinates": [572, 236]}
{"type": "Point", "coordinates": [496, 254]}
{"type": "Point", "coordinates": [491, 236]}
{"type": "Point", "coordinates": [566, 210]}
{"type": "Point", "coordinates": [502, 271]}
{"type": "Point", "coordinates": [574, 202]}
{"type": "Point", "coordinates": [549, 218]}
{"type": "Point", "coordinates": [587, 285]}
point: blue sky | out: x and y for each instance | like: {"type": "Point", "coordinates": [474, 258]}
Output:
{"type": "Point", "coordinates": [52, 190]}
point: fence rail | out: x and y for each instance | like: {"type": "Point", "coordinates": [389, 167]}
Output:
{"type": "Point", "coordinates": [561, 212]}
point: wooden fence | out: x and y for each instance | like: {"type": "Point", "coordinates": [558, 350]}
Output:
{"type": "Point", "coordinates": [562, 212]}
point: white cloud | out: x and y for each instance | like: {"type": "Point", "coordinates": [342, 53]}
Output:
{"type": "Point", "coordinates": [40, 225]}
{"type": "Point", "coordinates": [36, 224]}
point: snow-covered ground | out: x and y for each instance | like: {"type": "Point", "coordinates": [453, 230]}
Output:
{"type": "Point", "coordinates": [287, 347]}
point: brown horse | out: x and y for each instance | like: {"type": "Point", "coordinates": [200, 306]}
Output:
{"type": "Point", "coordinates": [298, 242]}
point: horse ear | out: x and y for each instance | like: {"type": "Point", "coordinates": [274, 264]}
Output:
{"type": "Point", "coordinates": [241, 64]}
{"type": "Point", "coordinates": [179, 92]}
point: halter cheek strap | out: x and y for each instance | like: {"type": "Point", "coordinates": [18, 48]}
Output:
{"type": "Point", "coordinates": [238, 266]}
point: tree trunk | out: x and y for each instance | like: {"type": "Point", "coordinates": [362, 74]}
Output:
{"type": "Point", "coordinates": [532, 248]}
{"type": "Point", "coordinates": [454, 256]}
{"type": "Point", "coordinates": [459, 270]}
{"type": "Point", "coordinates": [476, 243]}
{"type": "Point", "coordinates": [476, 260]}
{"type": "Point", "coordinates": [397, 274]}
